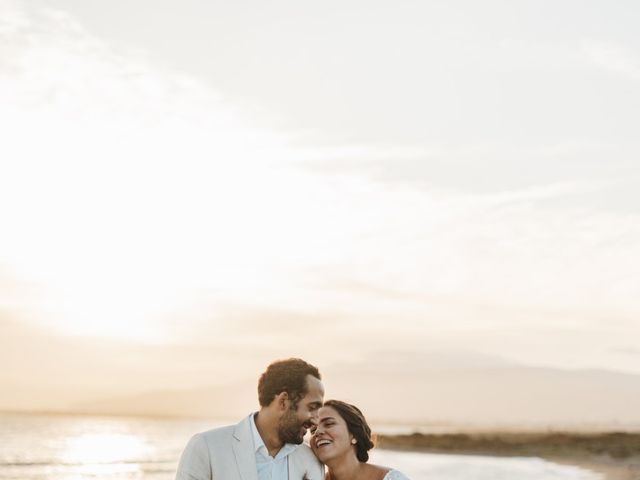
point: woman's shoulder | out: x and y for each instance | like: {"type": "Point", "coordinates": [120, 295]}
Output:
{"type": "Point", "coordinates": [395, 475]}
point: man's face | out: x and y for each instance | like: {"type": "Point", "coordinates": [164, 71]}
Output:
{"type": "Point", "coordinates": [295, 422]}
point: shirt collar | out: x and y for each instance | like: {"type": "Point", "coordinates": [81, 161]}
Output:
{"type": "Point", "coordinates": [258, 443]}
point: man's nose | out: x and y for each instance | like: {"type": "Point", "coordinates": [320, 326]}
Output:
{"type": "Point", "coordinates": [314, 427]}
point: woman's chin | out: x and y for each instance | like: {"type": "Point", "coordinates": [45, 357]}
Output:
{"type": "Point", "coordinates": [322, 456]}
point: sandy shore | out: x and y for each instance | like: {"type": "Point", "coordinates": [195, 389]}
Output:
{"type": "Point", "coordinates": [616, 455]}
{"type": "Point", "coordinates": [611, 469]}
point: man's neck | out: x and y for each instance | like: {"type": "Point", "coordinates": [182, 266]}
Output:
{"type": "Point", "coordinates": [268, 430]}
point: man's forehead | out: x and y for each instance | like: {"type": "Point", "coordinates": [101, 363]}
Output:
{"type": "Point", "coordinates": [315, 384]}
{"type": "Point", "coordinates": [315, 392]}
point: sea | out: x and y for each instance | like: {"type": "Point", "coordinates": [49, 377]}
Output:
{"type": "Point", "coordinates": [70, 447]}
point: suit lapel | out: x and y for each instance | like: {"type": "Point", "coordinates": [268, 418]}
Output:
{"type": "Point", "coordinates": [244, 450]}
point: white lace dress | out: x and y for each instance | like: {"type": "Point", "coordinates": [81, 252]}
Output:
{"type": "Point", "coordinates": [395, 475]}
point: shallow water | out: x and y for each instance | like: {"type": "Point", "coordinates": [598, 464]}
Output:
{"type": "Point", "coordinates": [52, 447]}
{"type": "Point", "coordinates": [475, 467]}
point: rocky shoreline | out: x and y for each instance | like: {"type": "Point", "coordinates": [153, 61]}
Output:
{"type": "Point", "coordinates": [616, 455]}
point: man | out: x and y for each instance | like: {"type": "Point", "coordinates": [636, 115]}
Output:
{"type": "Point", "coordinates": [266, 444]}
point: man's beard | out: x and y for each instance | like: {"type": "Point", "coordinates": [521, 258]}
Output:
{"type": "Point", "coordinates": [289, 428]}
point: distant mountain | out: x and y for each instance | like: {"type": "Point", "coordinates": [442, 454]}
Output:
{"type": "Point", "coordinates": [498, 396]}
{"type": "Point", "coordinates": [459, 396]}
{"type": "Point", "coordinates": [214, 402]}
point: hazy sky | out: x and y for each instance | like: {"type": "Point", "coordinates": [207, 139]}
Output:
{"type": "Point", "coordinates": [219, 183]}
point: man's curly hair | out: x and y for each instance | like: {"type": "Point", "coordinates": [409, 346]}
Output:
{"type": "Point", "coordinates": [285, 376]}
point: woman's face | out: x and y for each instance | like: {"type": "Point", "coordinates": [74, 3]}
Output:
{"type": "Point", "coordinates": [330, 438]}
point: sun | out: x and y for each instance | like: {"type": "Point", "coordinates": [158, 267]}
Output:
{"type": "Point", "coordinates": [112, 300]}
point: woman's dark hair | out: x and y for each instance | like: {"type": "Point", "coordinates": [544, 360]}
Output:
{"type": "Point", "coordinates": [286, 376]}
{"type": "Point", "coordinates": [357, 426]}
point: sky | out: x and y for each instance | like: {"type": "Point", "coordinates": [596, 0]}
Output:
{"type": "Point", "coordinates": [190, 190]}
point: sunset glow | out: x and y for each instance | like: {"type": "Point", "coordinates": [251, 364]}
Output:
{"type": "Point", "coordinates": [102, 448]}
{"type": "Point", "coordinates": [179, 209]}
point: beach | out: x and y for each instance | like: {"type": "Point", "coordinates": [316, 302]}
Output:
{"type": "Point", "coordinates": [615, 455]}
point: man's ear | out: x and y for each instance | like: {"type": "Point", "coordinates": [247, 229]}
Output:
{"type": "Point", "coordinates": [283, 401]}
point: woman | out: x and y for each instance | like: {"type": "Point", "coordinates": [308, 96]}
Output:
{"type": "Point", "coordinates": [341, 440]}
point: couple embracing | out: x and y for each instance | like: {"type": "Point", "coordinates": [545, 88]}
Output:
{"type": "Point", "coordinates": [268, 444]}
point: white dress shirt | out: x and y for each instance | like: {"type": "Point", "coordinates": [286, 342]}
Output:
{"type": "Point", "coordinates": [270, 468]}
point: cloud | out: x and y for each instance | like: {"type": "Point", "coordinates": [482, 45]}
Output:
{"type": "Point", "coordinates": [138, 198]}
{"type": "Point", "coordinates": [632, 351]}
{"type": "Point", "coordinates": [613, 58]}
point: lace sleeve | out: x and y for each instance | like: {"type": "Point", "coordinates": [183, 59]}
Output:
{"type": "Point", "coordinates": [395, 475]}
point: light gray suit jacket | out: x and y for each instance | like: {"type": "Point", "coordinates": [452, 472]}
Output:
{"type": "Point", "coordinates": [227, 453]}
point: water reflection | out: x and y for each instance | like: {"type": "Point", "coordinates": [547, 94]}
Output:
{"type": "Point", "coordinates": [104, 448]}
{"type": "Point", "coordinates": [111, 471]}
{"type": "Point", "coordinates": [60, 447]}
